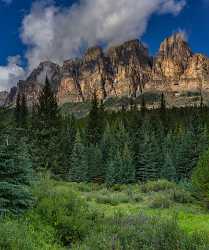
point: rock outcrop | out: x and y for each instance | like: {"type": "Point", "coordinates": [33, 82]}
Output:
{"type": "Point", "coordinates": [125, 70]}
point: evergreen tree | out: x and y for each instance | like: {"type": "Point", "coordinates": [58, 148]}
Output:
{"type": "Point", "coordinates": [65, 146]}
{"type": "Point", "coordinates": [95, 123]}
{"type": "Point", "coordinates": [18, 110]}
{"type": "Point", "coordinates": [200, 176]}
{"type": "Point", "coordinates": [168, 171]}
{"type": "Point", "coordinates": [79, 164]}
{"type": "Point", "coordinates": [120, 167]}
{"type": "Point", "coordinates": [162, 103]}
{"type": "Point", "coordinates": [24, 111]}
{"type": "Point", "coordinates": [143, 105]}
{"type": "Point", "coordinates": [95, 164]}
{"type": "Point", "coordinates": [149, 159]}
{"type": "Point", "coordinates": [186, 156]}
{"type": "Point", "coordinates": [15, 177]}
{"type": "Point", "coordinates": [47, 107]}
{"type": "Point", "coordinates": [46, 136]}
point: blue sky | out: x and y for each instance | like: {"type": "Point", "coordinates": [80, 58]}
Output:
{"type": "Point", "coordinates": [33, 31]}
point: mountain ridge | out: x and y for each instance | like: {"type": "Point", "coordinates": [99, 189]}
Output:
{"type": "Point", "coordinates": [126, 70]}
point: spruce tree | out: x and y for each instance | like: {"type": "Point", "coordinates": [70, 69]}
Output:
{"type": "Point", "coordinates": [95, 122]}
{"type": "Point", "coordinates": [143, 105]}
{"type": "Point", "coordinates": [46, 132]}
{"type": "Point", "coordinates": [15, 177]}
{"type": "Point", "coordinates": [120, 167]}
{"type": "Point", "coordinates": [47, 107]}
{"type": "Point", "coordinates": [18, 110]}
{"type": "Point", "coordinates": [79, 165]}
{"type": "Point", "coordinates": [149, 159]}
{"type": "Point", "coordinates": [162, 103]}
{"type": "Point", "coordinates": [95, 164]}
{"type": "Point", "coordinates": [24, 111]}
{"type": "Point", "coordinates": [168, 171]}
{"type": "Point", "coordinates": [186, 156]}
{"type": "Point", "coordinates": [65, 146]}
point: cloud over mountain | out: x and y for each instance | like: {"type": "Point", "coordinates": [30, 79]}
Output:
{"type": "Point", "coordinates": [56, 33]}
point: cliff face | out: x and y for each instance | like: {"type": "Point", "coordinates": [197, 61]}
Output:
{"type": "Point", "coordinates": [125, 70]}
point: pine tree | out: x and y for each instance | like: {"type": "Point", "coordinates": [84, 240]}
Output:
{"type": "Point", "coordinates": [143, 105]}
{"type": "Point", "coordinates": [186, 156]}
{"type": "Point", "coordinates": [162, 103]}
{"type": "Point", "coordinates": [47, 107]}
{"type": "Point", "coordinates": [120, 167]}
{"type": "Point", "coordinates": [79, 164]}
{"type": "Point", "coordinates": [46, 132]}
{"type": "Point", "coordinates": [18, 110]}
{"type": "Point", "coordinates": [168, 171]}
{"type": "Point", "coordinates": [95, 123]}
{"type": "Point", "coordinates": [65, 146]}
{"type": "Point", "coordinates": [95, 164]}
{"type": "Point", "coordinates": [24, 111]}
{"type": "Point", "coordinates": [21, 111]}
{"type": "Point", "coordinates": [149, 159]}
{"type": "Point", "coordinates": [15, 177]}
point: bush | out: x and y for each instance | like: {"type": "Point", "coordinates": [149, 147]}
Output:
{"type": "Point", "coordinates": [160, 201]}
{"type": "Point", "coordinates": [200, 177]}
{"type": "Point", "coordinates": [18, 235]}
{"type": "Point", "coordinates": [68, 214]}
{"type": "Point", "coordinates": [113, 199]}
{"type": "Point", "coordinates": [156, 186]}
{"type": "Point", "coordinates": [181, 196]}
{"type": "Point", "coordinates": [143, 233]}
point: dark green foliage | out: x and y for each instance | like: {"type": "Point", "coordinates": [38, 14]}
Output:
{"type": "Point", "coordinates": [120, 167]}
{"type": "Point", "coordinates": [65, 144]}
{"type": "Point", "coordinates": [15, 177]}
{"type": "Point", "coordinates": [47, 108]}
{"type": "Point", "coordinates": [21, 111]}
{"type": "Point", "coordinates": [162, 103]}
{"type": "Point", "coordinates": [46, 135]}
{"type": "Point", "coordinates": [200, 176]}
{"type": "Point", "coordinates": [79, 165]}
{"type": "Point", "coordinates": [149, 160]}
{"type": "Point", "coordinates": [18, 110]}
{"type": "Point", "coordinates": [96, 171]}
{"type": "Point", "coordinates": [95, 122]}
{"type": "Point", "coordinates": [142, 232]}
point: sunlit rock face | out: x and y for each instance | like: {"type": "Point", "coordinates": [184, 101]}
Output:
{"type": "Point", "coordinates": [124, 70]}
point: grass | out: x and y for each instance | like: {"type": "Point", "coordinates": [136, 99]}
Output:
{"type": "Point", "coordinates": [90, 216]}
{"type": "Point", "coordinates": [132, 199]}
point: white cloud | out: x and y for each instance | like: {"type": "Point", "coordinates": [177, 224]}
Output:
{"type": "Point", "coordinates": [57, 33]}
{"type": "Point", "coordinates": [11, 73]}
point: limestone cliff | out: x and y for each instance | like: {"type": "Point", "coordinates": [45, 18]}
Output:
{"type": "Point", "coordinates": [124, 70]}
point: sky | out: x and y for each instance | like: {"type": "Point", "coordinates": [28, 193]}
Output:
{"type": "Point", "coordinates": [56, 30]}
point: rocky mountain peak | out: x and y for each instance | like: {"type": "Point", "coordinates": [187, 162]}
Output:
{"type": "Point", "coordinates": [124, 70]}
{"type": "Point", "coordinates": [175, 47]}
{"type": "Point", "coordinates": [47, 68]}
{"type": "Point", "coordinates": [93, 54]}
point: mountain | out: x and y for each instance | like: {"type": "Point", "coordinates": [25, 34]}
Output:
{"type": "Point", "coordinates": [126, 70]}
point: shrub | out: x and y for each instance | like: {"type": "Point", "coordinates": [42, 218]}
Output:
{"type": "Point", "coordinates": [68, 214]}
{"type": "Point", "coordinates": [156, 186]}
{"type": "Point", "coordinates": [181, 196]}
{"type": "Point", "coordinates": [18, 235]}
{"type": "Point", "coordinates": [200, 177]}
{"type": "Point", "coordinates": [142, 232]}
{"type": "Point", "coordinates": [160, 201]}
{"type": "Point", "coordinates": [113, 199]}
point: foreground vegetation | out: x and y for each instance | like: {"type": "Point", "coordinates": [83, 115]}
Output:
{"type": "Point", "coordinates": [135, 179]}
{"type": "Point", "coordinates": [157, 215]}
